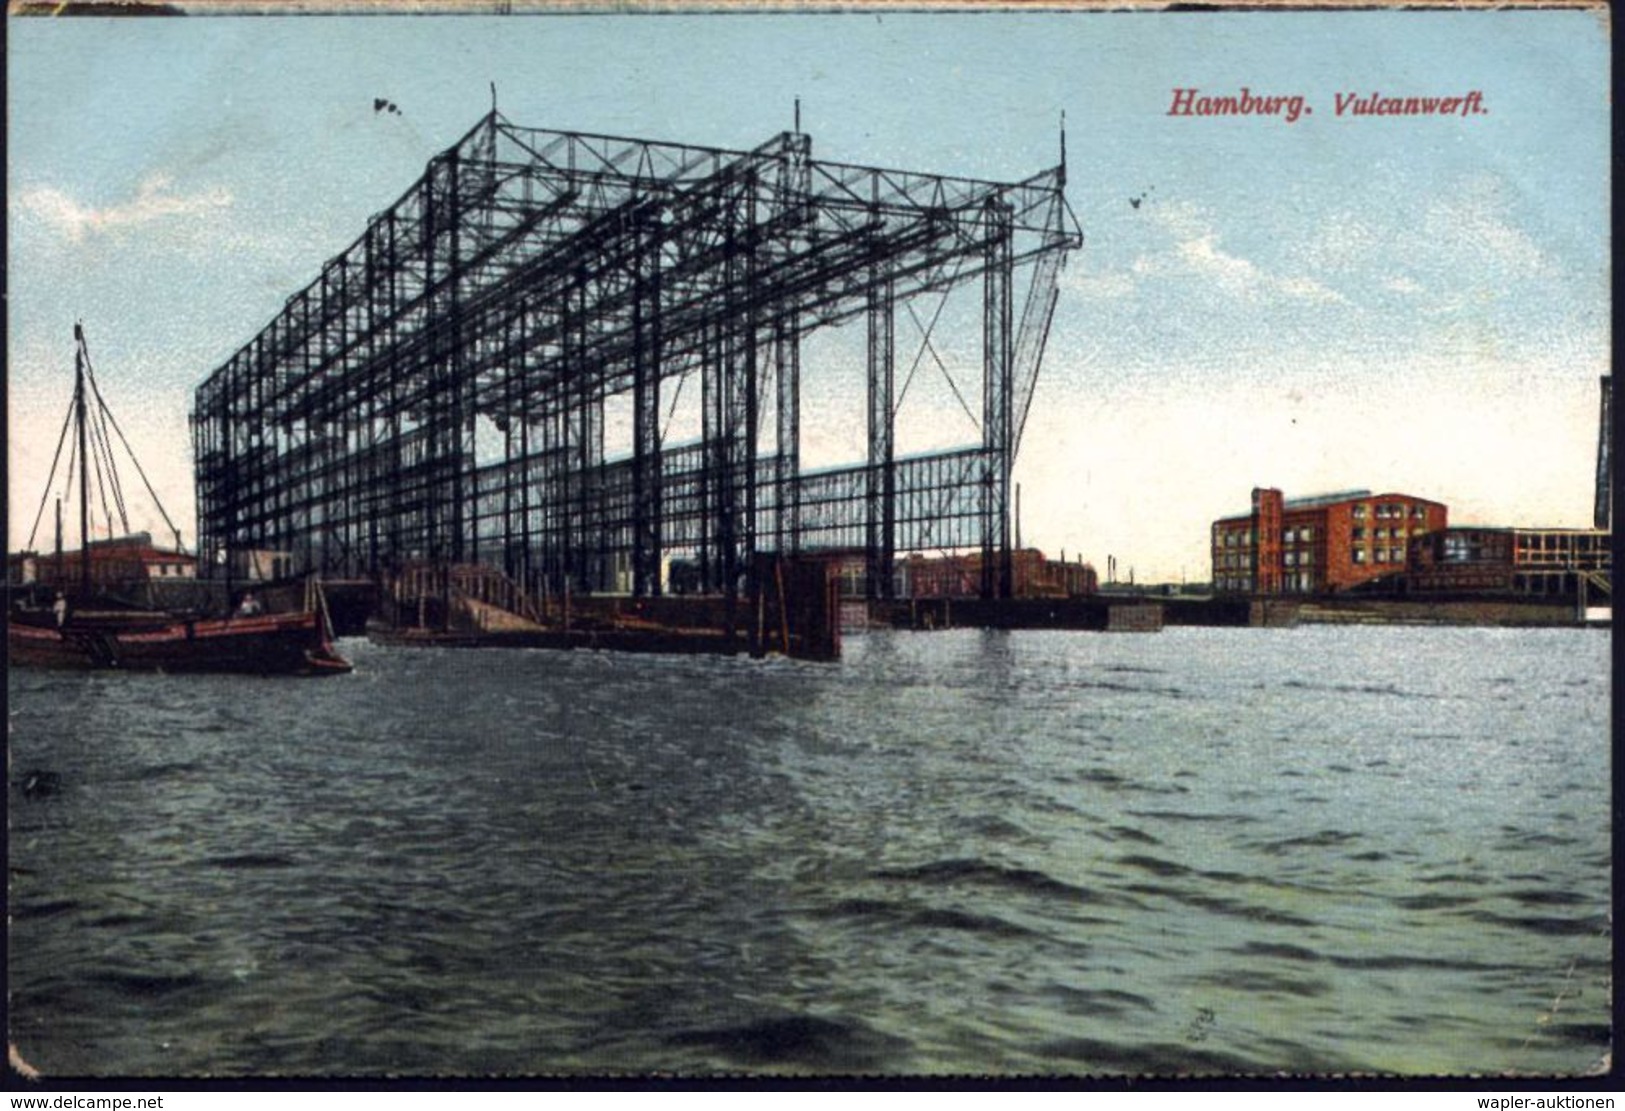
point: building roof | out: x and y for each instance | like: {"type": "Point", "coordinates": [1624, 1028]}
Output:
{"type": "Point", "coordinates": [1318, 501]}
{"type": "Point", "coordinates": [123, 549]}
{"type": "Point", "coordinates": [1310, 501]}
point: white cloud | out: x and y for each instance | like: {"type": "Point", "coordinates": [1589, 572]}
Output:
{"type": "Point", "coordinates": [1462, 234]}
{"type": "Point", "coordinates": [1473, 221]}
{"type": "Point", "coordinates": [1102, 286]}
{"type": "Point", "coordinates": [152, 201]}
{"type": "Point", "coordinates": [1196, 252]}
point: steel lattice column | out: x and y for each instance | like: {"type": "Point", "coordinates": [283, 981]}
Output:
{"type": "Point", "coordinates": [646, 415]}
{"type": "Point", "coordinates": [716, 519]}
{"type": "Point", "coordinates": [881, 523]}
{"type": "Point", "coordinates": [583, 432]}
{"type": "Point", "coordinates": [998, 391]}
{"type": "Point", "coordinates": [750, 392]}
{"type": "Point", "coordinates": [787, 357]}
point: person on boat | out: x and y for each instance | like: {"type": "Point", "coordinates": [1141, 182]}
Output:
{"type": "Point", "coordinates": [249, 606]}
{"type": "Point", "coordinates": [60, 608]}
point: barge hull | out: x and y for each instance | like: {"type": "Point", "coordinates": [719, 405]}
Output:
{"type": "Point", "coordinates": [270, 644]}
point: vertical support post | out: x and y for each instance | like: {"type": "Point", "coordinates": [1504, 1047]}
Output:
{"type": "Point", "coordinates": [646, 342]}
{"type": "Point", "coordinates": [745, 475]}
{"type": "Point", "coordinates": [367, 499]}
{"type": "Point", "coordinates": [395, 460]}
{"type": "Point", "coordinates": [583, 424]}
{"type": "Point", "coordinates": [710, 383]}
{"type": "Point", "coordinates": [787, 356]}
{"type": "Point", "coordinates": [998, 390]}
{"type": "Point", "coordinates": [526, 467]}
{"type": "Point", "coordinates": [559, 427]}
{"type": "Point", "coordinates": [745, 470]}
{"type": "Point", "coordinates": [733, 339]}
{"type": "Point", "coordinates": [430, 495]}
{"type": "Point", "coordinates": [464, 520]}
{"type": "Point", "coordinates": [510, 465]}
{"type": "Point", "coordinates": [880, 523]}
{"type": "Point", "coordinates": [794, 188]}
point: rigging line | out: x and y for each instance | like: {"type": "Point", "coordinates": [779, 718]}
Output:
{"type": "Point", "coordinates": [55, 459]}
{"type": "Point", "coordinates": [951, 384]}
{"type": "Point", "coordinates": [67, 489]}
{"type": "Point", "coordinates": [101, 451]}
{"type": "Point", "coordinates": [104, 445]}
{"type": "Point", "coordinates": [138, 468]}
{"type": "Point", "coordinates": [101, 483]}
{"type": "Point", "coordinates": [1030, 348]}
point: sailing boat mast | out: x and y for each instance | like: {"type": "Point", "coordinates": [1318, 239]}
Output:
{"type": "Point", "coordinates": [84, 460]}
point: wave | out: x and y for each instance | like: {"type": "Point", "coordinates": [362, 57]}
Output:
{"type": "Point", "coordinates": [912, 916]}
{"type": "Point", "coordinates": [806, 1040]}
{"type": "Point", "coordinates": [1258, 982]}
{"type": "Point", "coordinates": [1186, 816]}
{"type": "Point", "coordinates": [1275, 951]}
{"type": "Point", "coordinates": [1148, 1058]}
{"type": "Point", "coordinates": [1155, 865]}
{"type": "Point", "coordinates": [1103, 1002]}
{"type": "Point", "coordinates": [1546, 925]}
{"type": "Point", "coordinates": [1127, 833]}
{"type": "Point", "coordinates": [238, 861]}
{"type": "Point", "coordinates": [981, 873]}
{"type": "Point", "coordinates": [1230, 908]}
{"type": "Point", "coordinates": [1399, 962]}
{"type": "Point", "coordinates": [1433, 902]}
{"type": "Point", "coordinates": [1548, 897]}
{"type": "Point", "coordinates": [1387, 689]}
{"type": "Point", "coordinates": [146, 984]}
{"type": "Point", "coordinates": [1324, 839]}
{"type": "Point", "coordinates": [47, 909]}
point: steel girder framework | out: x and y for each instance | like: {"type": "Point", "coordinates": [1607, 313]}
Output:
{"type": "Point", "coordinates": [531, 277]}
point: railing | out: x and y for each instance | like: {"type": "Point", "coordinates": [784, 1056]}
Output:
{"type": "Point", "coordinates": [472, 581]}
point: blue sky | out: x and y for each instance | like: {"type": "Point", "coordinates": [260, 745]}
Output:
{"type": "Point", "coordinates": [1417, 304]}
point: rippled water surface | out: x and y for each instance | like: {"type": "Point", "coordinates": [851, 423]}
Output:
{"type": "Point", "coordinates": [1204, 850]}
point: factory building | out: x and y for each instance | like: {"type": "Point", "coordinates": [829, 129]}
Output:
{"type": "Point", "coordinates": [1534, 562]}
{"type": "Point", "coordinates": [1319, 544]}
{"type": "Point", "coordinates": [959, 575]}
{"type": "Point", "coordinates": [1034, 576]}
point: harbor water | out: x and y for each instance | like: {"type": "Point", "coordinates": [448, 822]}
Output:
{"type": "Point", "coordinates": [1374, 849]}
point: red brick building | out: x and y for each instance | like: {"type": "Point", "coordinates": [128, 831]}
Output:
{"type": "Point", "coordinates": [1318, 544]}
{"type": "Point", "coordinates": [113, 563]}
{"type": "Point", "coordinates": [1032, 576]}
{"type": "Point", "coordinates": [960, 576]}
